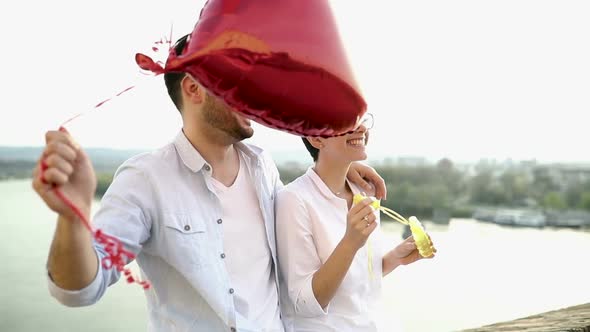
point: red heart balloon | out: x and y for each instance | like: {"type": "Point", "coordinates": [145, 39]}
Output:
{"type": "Point", "coordinates": [280, 63]}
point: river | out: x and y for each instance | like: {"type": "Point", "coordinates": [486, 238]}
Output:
{"type": "Point", "coordinates": [483, 273]}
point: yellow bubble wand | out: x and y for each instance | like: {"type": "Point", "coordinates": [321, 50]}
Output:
{"type": "Point", "coordinates": [422, 240]}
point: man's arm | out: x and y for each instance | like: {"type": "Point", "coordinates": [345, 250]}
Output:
{"type": "Point", "coordinates": [72, 262]}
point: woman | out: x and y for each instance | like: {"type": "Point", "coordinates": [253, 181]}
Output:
{"type": "Point", "coordinates": [330, 259]}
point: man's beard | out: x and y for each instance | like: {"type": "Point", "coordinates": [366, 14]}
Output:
{"type": "Point", "coordinates": [218, 115]}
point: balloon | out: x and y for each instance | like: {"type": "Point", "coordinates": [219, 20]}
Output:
{"type": "Point", "coordinates": [280, 63]}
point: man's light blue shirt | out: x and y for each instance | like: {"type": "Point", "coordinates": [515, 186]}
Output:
{"type": "Point", "coordinates": [162, 206]}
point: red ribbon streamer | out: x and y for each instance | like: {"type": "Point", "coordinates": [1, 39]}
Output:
{"type": "Point", "coordinates": [117, 256]}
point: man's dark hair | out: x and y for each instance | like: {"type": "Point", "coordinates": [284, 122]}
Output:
{"type": "Point", "coordinates": [173, 80]}
{"type": "Point", "coordinates": [312, 150]}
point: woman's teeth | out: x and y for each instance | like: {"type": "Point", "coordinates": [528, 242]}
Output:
{"type": "Point", "coordinates": [356, 142]}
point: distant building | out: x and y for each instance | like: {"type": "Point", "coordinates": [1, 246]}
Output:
{"type": "Point", "coordinates": [565, 175]}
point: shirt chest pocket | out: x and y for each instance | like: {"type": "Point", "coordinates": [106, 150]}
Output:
{"type": "Point", "coordinates": [187, 241]}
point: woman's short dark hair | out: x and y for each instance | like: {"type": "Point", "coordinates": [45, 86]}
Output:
{"type": "Point", "coordinates": [312, 150]}
{"type": "Point", "coordinates": [173, 80]}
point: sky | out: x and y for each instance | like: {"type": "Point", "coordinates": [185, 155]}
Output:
{"type": "Point", "coordinates": [459, 79]}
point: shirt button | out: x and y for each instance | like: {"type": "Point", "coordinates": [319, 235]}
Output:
{"type": "Point", "coordinates": [219, 221]}
{"type": "Point", "coordinates": [222, 255]}
{"type": "Point", "coordinates": [232, 329]}
{"type": "Point", "coordinates": [207, 167]}
{"type": "Point", "coordinates": [231, 290]}
{"type": "Point", "coordinates": [187, 227]}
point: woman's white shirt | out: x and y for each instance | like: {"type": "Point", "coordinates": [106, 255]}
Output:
{"type": "Point", "coordinates": [310, 222]}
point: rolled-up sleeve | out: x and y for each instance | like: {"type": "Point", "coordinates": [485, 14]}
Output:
{"type": "Point", "coordinates": [78, 298]}
{"type": "Point", "coordinates": [122, 214]}
{"type": "Point", "coordinates": [298, 258]}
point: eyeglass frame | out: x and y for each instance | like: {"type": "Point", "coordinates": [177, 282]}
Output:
{"type": "Point", "coordinates": [368, 118]}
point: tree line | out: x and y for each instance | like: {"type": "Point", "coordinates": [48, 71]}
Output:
{"type": "Point", "coordinates": [422, 189]}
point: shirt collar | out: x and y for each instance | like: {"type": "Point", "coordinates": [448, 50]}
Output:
{"type": "Point", "coordinates": [195, 161]}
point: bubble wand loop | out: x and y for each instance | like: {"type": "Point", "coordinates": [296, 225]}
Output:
{"type": "Point", "coordinates": [422, 240]}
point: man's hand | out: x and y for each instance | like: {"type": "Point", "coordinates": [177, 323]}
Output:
{"type": "Point", "coordinates": [63, 164]}
{"type": "Point", "coordinates": [366, 177]}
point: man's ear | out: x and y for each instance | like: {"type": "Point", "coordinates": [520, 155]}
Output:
{"type": "Point", "coordinates": [192, 91]}
{"type": "Point", "coordinates": [316, 142]}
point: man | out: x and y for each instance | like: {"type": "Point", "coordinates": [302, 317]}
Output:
{"type": "Point", "coordinates": [197, 213]}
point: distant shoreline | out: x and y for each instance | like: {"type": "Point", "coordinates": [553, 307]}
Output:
{"type": "Point", "coordinates": [439, 191]}
{"type": "Point", "coordinates": [102, 154]}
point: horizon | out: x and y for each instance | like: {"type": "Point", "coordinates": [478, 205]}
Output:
{"type": "Point", "coordinates": [301, 156]}
{"type": "Point", "coordinates": [462, 80]}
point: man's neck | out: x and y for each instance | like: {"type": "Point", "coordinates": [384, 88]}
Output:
{"type": "Point", "coordinates": [221, 154]}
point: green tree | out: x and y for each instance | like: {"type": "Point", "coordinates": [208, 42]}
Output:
{"type": "Point", "coordinates": [584, 202]}
{"type": "Point", "coordinates": [515, 187]}
{"type": "Point", "coordinates": [451, 178]}
{"type": "Point", "coordinates": [290, 172]}
{"type": "Point", "coordinates": [554, 200]}
{"type": "Point", "coordinates": [542, 184]}
{"type": "Point", "coordinates": [484, 189]}
{"type": "Point", "coordinates": [573, 195]}
{"type": "Point", "coordinates": [103, 181]}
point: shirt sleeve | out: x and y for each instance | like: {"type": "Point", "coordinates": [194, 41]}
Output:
{"type": "Point", "coordinates": [77, 298]}
{"type": "Point", "coordinates": [298, 258]}
{"type": "Point", "coordinates": [275, 176]}
{"type": "Point", "coordinates": [122, 214]}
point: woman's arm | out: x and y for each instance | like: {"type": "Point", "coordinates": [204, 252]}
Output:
{"type": "Point", "coordinates": [309, 283]}
{"type": "Point", "coordinates": [328, 278]}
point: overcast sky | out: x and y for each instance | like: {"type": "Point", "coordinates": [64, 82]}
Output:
{"type": "Point", "coordinates": [462, 79]}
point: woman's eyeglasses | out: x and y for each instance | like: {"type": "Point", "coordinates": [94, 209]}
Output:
{"type": "Point", "coordinates": [367, 121]}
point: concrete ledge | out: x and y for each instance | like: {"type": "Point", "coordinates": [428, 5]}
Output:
{"type": "Point", "coordinates": [571, 319]}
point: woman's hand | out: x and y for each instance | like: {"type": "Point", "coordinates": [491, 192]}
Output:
{"type": "Point", "coordinates": [360, 223]}
{"type": "Point", "coordinates": [404, 253]}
